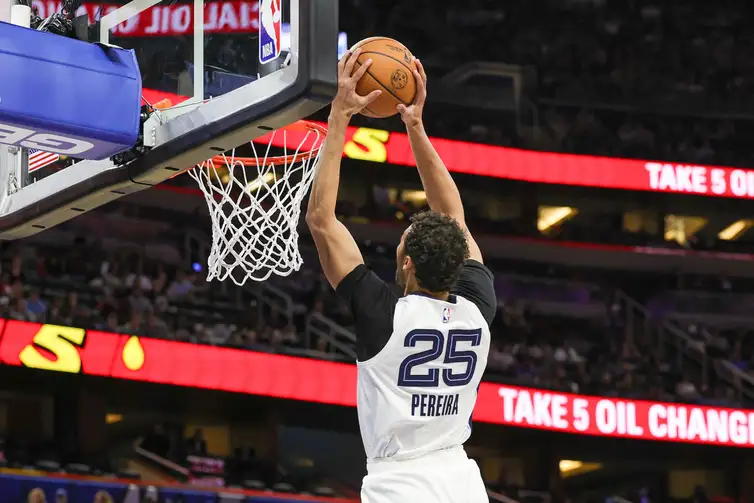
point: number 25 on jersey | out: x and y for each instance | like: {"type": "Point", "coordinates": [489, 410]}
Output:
{"type": "Point", "coordinates": [410, 372]}
{"type": "Point", "coordinates": [407, 375]}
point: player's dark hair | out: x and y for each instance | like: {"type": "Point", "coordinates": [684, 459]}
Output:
{"type": "Point", "coordinates": [437, 246]}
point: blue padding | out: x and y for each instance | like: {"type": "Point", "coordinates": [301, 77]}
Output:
{"type": "Point", "coordinates": [84, 93]}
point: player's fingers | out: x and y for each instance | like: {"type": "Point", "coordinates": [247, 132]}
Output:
{"type": "Point", "coordinates": [348, 69]}
{"type": "Point", "coordinates": [421, 87]}
{"type": "Point", "coordinates": [361, 70]}
{"type": "Point", "coordinates": [401, 108]}
{"type": "Point", "coordinates": [342, 61]}
{"type": "Point", "coordinates": [366, 100]}
{"type": "Point", "coordinates": [423, 74]}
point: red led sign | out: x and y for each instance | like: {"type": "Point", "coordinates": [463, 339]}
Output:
{"type": "Point", "coordinates": [74, 350]}
{"type": "Point", "coordinates": [381, 146]}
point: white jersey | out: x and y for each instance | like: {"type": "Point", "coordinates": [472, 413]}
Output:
{"type": "Point", "coordinates": [417, 384]}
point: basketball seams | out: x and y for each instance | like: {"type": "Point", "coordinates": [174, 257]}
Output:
{"type": "Point", "coordinates": [386, 89]}
{"type": "Point", "coordinates": [410, 70]}
{"type": "Point", "coordinates": [382, 86]}
{"type": "Point", "coordinates": [375, 115]}
{"type": "Point", "coordinates": [375, 39]}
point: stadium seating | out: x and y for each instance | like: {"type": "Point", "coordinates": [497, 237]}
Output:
{"type": "Point", "coordinates": [550, 332]}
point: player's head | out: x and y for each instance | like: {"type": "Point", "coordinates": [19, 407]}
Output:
{"type": "Point", "coordinates": [431, 253]}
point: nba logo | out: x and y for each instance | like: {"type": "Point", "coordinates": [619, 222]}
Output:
{"type": "Point", "coordinates": [445, 314]}
{"type": "Point", "coordinates": [270, 23]}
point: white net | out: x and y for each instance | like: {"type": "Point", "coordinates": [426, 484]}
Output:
{"type": "Point", "coordinates": [255, 204]}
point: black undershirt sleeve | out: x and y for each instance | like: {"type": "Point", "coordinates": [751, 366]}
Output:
{"type": "Point", "coordinates": [476, 284]}
{"type": "Point", "coordinates": [372, 304]}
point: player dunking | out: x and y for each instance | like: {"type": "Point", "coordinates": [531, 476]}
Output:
{"type": "Point", "coordinates": [420, 356]}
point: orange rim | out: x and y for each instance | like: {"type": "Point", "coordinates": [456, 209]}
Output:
{"type": "Point", "coordinates": [298, 126]}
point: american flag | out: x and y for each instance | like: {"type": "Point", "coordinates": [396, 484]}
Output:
{"type": "Point", "coordinates": [38, 159]}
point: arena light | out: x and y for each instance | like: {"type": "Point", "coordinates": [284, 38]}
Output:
{"type": "Point", "coordinates": [417, 197]}
{"type": "Point", "coordinates": [567, 465]}
{"type": "Point", "coordinates": [570, 468]}
{"type": "Point", "coordinates": [550, 216]}
{"type": "Point", "coordinates": [113, 418]}
{"type": "Point", "coordinates": [735, 230]}
{"type": "Point", "coordinates": [257, 183]}
{"type": "Point", "coordinates": [680, 228]}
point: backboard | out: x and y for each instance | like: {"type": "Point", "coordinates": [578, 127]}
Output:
{"type": "Point", "coordinates": [231, 70]}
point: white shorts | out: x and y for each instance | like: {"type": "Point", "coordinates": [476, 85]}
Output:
{"type": "Point", "coordinates": [447, 476]}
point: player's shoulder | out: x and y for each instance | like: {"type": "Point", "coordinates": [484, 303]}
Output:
{"type": "Point", "coordinates": [476, 285]}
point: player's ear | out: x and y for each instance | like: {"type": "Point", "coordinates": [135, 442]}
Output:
{"type": "Point", "coordinates": [408, 264]}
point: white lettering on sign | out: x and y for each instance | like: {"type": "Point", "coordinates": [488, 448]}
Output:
{"type": "Point", "coordinates": [28, 138]}
{"type": "Point", "coordinates": [625, 418]}
{"type": "Point", "coordinates": [268, 49]}
{"type": "Point", "coordinates": [228, 16]}
{"type": "Point", "coordinates": [700, 179]}
{"type": "Point", "coordinates": [677, 178]}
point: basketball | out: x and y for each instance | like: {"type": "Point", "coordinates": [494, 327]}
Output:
{"type": "Point", "coordinates": [391, 72]}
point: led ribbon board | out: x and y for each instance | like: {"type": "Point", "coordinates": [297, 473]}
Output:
{"type": "Point", "coordinates": [121, 356]}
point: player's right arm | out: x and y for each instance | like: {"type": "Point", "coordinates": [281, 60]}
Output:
{"type": "Point", "coordinates": [338, 252]}
{"type": "Point", "coordinates": [442, 192]}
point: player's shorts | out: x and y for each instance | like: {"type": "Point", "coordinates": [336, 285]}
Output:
{"type": "Point", "coordinates": [446, 476]}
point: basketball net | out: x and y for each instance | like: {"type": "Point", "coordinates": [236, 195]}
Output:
{"type": "Point", "coordinates": [255, 203]}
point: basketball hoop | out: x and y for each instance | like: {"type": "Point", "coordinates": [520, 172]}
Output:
{"type": "Point", "coordinates": [255, 204]}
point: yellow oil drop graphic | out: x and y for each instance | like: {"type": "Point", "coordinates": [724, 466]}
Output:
{"type": "Point", "coordinates": [133, 354]}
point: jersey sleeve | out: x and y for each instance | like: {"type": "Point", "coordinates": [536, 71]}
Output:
{"type": "Point", "coordinates": [372, 304]}
{"type": "Point", "coordinates": [476, 285]}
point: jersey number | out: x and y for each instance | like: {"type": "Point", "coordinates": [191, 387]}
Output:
{"type": "Point", "coordinates": [407, 375]}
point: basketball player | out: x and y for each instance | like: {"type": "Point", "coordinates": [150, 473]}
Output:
{"type": "Point", "coordinates": [420, 355]}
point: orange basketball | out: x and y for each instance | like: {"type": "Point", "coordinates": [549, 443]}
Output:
{"type": "Point", "coordinates": [391, 72]}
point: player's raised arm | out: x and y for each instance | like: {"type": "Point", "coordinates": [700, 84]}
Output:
{"type": "Point", "coordinates": [337, 249]}
{"type": "Point", "coordinates": [441, 190]}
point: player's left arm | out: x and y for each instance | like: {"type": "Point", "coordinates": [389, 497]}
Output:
{"type": "Point", "coordinates": [338, 252]}
{"type": "Point", "coordinates": [442, 192]}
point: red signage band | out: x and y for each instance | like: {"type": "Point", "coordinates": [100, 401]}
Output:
{"type": "Point", "coordinates": [225, 16]}
{"type": "Point", "coordinates": [468, 158]}
{"type": "Point", "coordinates": [74, 350]}
{"type": "Point", "coordinates": [381, 146]}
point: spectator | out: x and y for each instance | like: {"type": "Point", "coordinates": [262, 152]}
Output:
{"type": "Point", "coordinates": [196, 445]}
{"type": "Point", "coordinates": [134, 325]}
{"type": "Point", "coordinates": [687, 390]}
{"type": "Point", "coordinates": [111, 324]}
{"type": "Point", "coordinates": [150, 495]}
{"type": "Point", "coordinates": [138, 302]}
{"type": "Point", "coordinates": [16, 268]}
{"type": "Point", "coordinates": [36, 306]}
{"type": "Point", "coordinates": [159, 282]}
{"type": "Point", "coordinates": [181, 287]}
{"type": "Point", "coordinates": [103, 497]}
{"type": "Point", "coordinates": [19, 311]}
{"type": "Point", "coordinates": [70, 310]}
{"type": "Point", "coordinates": [61, 496]}
{"type": "Point", "coordinates": [138, 280]}
{"type": "Point", "coordinates": [36, 495]}
{"type": "Point", "coordinates": [132, 494]}
{"type": "Point", "coordinates": [16, 290]}
{"type": "Point", "coordinates": [155, 327]}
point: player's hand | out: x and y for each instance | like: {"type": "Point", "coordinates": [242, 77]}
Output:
{"type": "Point", "coordinates": [412, 114]}
{"type": "Point", "coordinates": [348, 102]}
